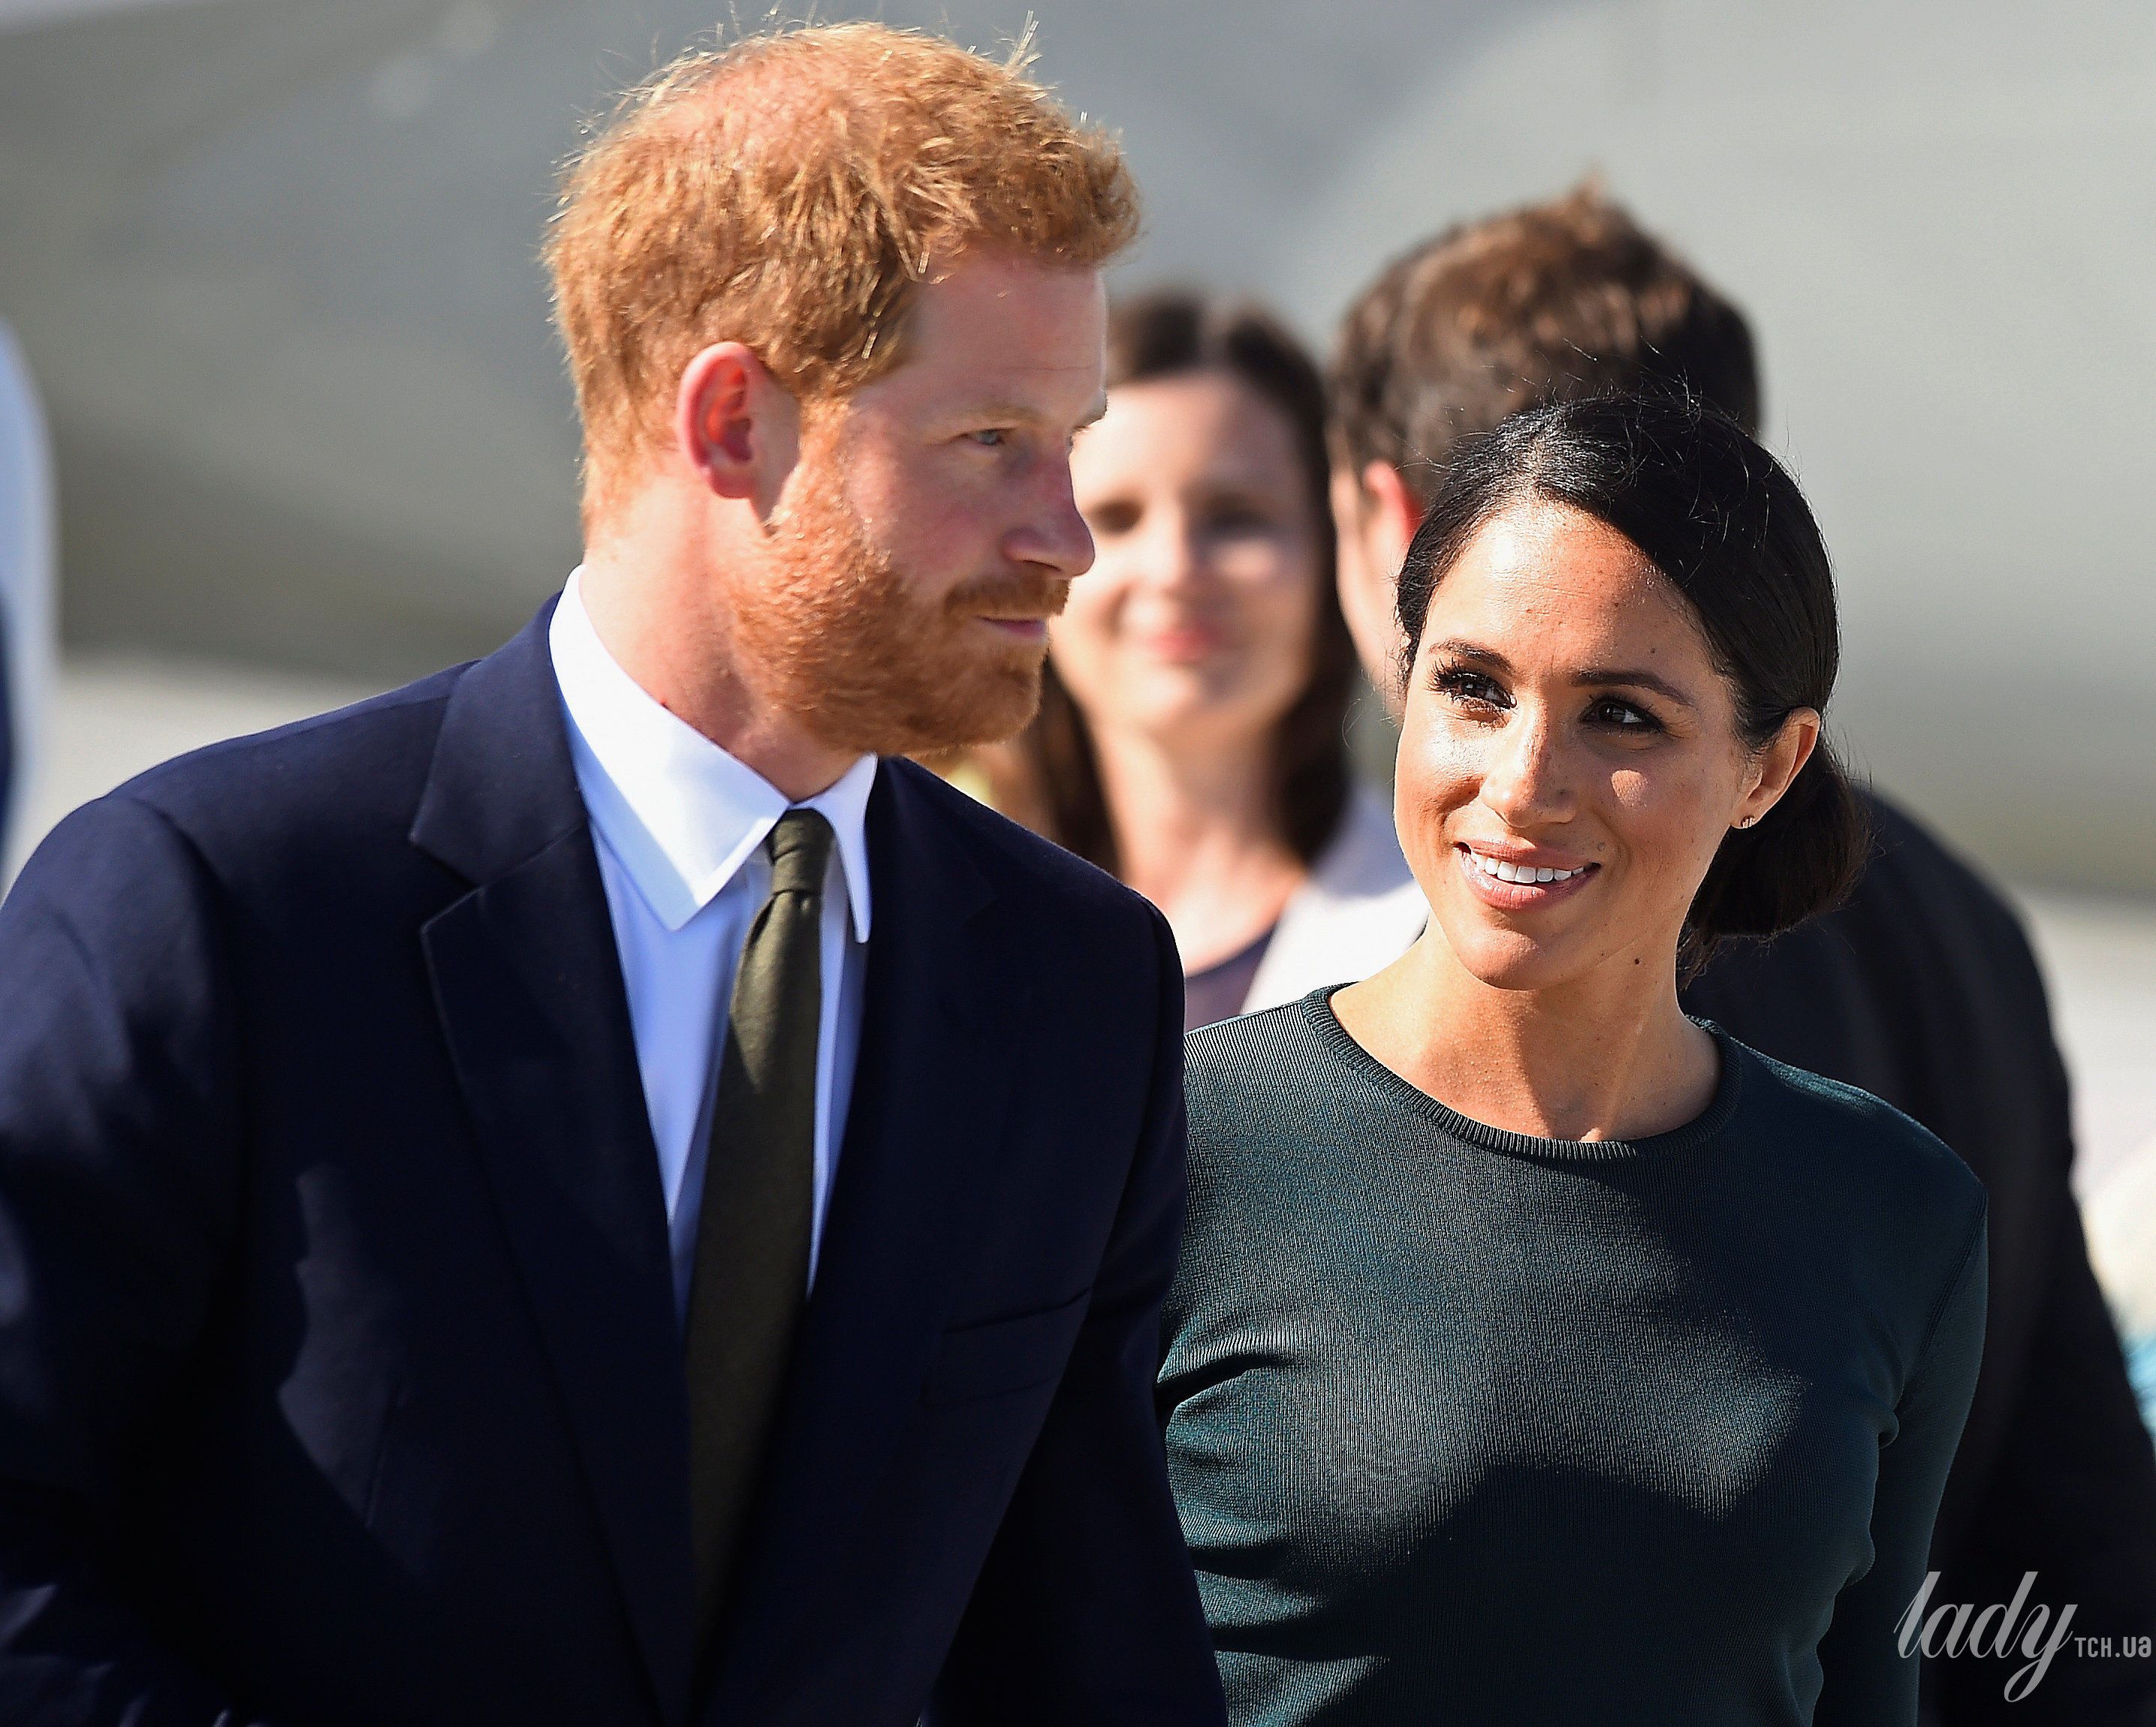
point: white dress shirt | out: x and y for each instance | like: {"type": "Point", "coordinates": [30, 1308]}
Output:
{"type": "Point", "coordinates": [680, 826]}
{"type": "Point", "coordinates": [1360, 911]}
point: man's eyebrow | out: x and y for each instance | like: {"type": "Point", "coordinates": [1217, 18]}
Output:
{"type": "Point", "coordinates": [1638, 680]}
{"type": "Point", "coordinates": [1023, 413]}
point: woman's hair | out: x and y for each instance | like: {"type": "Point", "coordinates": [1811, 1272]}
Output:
{"type": "Point", "coordinates": [1173, 335]}
{"type": "Point", "coordinates": [1724, 523]}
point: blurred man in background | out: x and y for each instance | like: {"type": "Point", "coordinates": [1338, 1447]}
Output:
{"type": "Point", "coordinates": [26, 577]}
{"type": "Point", "coordinates": [1922, 990]}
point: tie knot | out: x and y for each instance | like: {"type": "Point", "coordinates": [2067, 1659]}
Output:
{"type": "Point", "coordinates": [800, 851]}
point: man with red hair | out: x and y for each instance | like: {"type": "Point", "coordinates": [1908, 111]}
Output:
{"type": "Point", "coordinates": [590, 1190]}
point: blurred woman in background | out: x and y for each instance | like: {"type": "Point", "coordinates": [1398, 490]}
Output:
{"type": "Point", "coordinates": [1191, 734]}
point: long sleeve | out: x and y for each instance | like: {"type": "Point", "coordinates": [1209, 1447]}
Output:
{"type": "Point", "coordinates": [2071, 1496]}
{"type": "Point", "coordinates": [1867, 1681]}
{"type": "Point", "coordinates": [1923, 990]}
{"type": "Point", "coordinates": [1088, 1582]}
{"type": "Point", "coordinates": [118, 1199]}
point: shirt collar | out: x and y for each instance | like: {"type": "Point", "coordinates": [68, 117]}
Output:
{"type": "Point", "coordinates": [681, 814]}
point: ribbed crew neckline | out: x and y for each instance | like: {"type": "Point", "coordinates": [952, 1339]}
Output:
{"type": "Point", "coordinates": [1317, 1013]}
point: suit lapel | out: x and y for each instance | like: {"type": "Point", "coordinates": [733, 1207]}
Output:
{"type": "Point", "coordinates": [528, 985]}
{"type": "Point", "coordinates": [944, 1002]}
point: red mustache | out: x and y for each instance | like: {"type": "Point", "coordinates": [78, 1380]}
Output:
{"type": "Point", "coordinates": [1020, 592]}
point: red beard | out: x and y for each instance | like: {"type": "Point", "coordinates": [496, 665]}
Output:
{"type": "Point", "coordinates": [843, 641]}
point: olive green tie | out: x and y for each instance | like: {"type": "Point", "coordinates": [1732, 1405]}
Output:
{"type": "Point", "coordinates": [751, 1278]}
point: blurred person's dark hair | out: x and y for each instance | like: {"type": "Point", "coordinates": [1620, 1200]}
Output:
{"type": "Point", "coordinates": [1171, 334]}
{"type": "Point", "coordinates": [1550, 302]}
{"type": "Point", "coordinates": [1726, 526]}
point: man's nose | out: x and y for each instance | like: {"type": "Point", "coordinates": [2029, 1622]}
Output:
{"type": "Point", "coordinates": [1056, 535]}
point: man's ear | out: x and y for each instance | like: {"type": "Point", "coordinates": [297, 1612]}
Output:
{"type": "Point", "coordinates": [735, 427]}
{"type": "Point", "coordinates": [1376, 516]}
{"type": "Point", "coordinates": [1392, 514]}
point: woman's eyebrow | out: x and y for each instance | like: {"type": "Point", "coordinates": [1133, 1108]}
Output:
{"type": "Point", "coordinates": [1606, 675]}
{"type": "Point", "coordinates": [1474, 655]}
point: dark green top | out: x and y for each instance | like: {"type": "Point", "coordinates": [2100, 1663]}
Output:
{"type": "Point", "coordinates": [1470, 1426]}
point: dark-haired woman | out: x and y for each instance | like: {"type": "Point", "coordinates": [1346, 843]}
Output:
{"type": "Point", "coordinates": [1189, 739]}
{"type": "Point", "coordinates": [1540, 1354]}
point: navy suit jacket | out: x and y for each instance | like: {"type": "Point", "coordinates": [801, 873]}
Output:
{"type": "Point", "coordinates": [340, 1380]}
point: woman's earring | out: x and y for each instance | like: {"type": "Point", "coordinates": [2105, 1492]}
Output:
{"type": "Point", "coordinates": [1750, 822]}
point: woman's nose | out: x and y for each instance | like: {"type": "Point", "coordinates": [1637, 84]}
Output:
{"type": "Point", "coordinates": [1526, 780]}
{"type": "Point", "coordinates": [1170, 559]}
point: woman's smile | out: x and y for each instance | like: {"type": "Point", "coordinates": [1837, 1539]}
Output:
{"type": "Point", "coordinates": [1516, 879]}
{"type": "Point", "coordinates": [1186, 643]}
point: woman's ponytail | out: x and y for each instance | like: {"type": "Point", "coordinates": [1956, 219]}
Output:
{"type": "Point", "coordinates": [1802, 858]}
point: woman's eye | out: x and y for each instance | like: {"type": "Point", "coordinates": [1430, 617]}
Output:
{"type": "Point", "coordinates": [1471, 687]}
{"type": "Point", "coordinates": [990, 437]}
{"type": "Point", "coordinates": [1623, 716]}
{"type": "Point", "coordinates": [1238, 522]}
